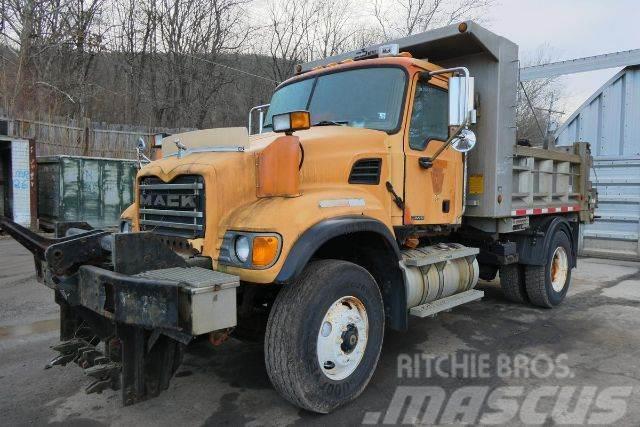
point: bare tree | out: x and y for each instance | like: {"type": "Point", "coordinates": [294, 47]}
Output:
{"type": "Point", "coordinates": [54, 42]}
{"type": "Point", "coordinates": [399, 18]}
{"type": "Point", "coordinates": [131, 39]}
{"type": "Point", "coordinates": [19, 22]}
{"type": "Point", "coordinates": [538, 110]}
{"type": "Point", "coordinates": [334, 29]}
{"type": "Point", "coordinates": [290, 33]}
{"type": "Point", "coordinates": [193, 36]}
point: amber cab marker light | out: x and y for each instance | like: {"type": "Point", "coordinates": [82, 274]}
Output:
{"type": "Point", "coordinates": [291, 121]}
{"type": "Point", "coordinates": [265, 250]}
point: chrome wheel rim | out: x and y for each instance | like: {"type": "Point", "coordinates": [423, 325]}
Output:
{"type": "Point", "coordinates": [559, 269]}
{"type": "Point", "coordinates": [342, 338]}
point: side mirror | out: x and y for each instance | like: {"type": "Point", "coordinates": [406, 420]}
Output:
{"type": "Point", "coordinates": [464, 141]}
{"type": "Point", "coordinates": [140, 146]}
{"type": "Point", "coordinates": [461, 101]}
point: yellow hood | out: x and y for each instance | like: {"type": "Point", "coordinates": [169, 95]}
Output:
{"type": "Point", "coordinates": [230, 177]}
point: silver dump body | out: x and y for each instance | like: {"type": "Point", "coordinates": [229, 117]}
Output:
{"type": "Point", "coordinates": [503, 179]}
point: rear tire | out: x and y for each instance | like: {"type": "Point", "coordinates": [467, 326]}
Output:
{"type": "Point", "coordinates": [298, 336]}
{"type": "Point", "coordinates": [512, 283]}
{"type": "Point", "coordinates": [547, 285]}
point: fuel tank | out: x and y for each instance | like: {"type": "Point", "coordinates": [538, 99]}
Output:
{"type": "Point", "coordinates": [439, 271]}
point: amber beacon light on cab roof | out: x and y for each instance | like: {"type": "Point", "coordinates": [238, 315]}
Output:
{"type": "Point", "coordinates": [375, 185]}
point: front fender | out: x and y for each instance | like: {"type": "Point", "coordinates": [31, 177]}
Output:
{"type": "Point", "coordinates": [291, 217]}
{"type": "Point", "coordinates": [322, 232]}
{"type": "Point", "coordinates": [378, 253]}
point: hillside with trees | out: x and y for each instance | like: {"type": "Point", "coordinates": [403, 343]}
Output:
{"type": "Point", "coordinates": [185, 63]}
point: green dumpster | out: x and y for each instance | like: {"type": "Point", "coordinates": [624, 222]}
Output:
{"type": "Point", "coordinates": [91, 189]}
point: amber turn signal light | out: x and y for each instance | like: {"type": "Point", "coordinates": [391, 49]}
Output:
{"type": "Point", "coordinates": [265, 250]}
{"type": "Point", "coordinates": [291, 121]}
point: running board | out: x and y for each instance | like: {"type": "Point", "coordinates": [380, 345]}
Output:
{"type": "Point", "coordinates": [431, 308]}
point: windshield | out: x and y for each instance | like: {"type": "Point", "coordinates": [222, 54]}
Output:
{"type": "Point", "coordinates": [365, 97]}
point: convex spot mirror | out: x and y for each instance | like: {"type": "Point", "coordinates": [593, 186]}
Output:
{"type": "Point", "coordinates": [465, 141]}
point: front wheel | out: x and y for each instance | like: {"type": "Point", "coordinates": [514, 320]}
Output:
{"type": "Point", "coordinates": [547, 285]}
{"type": "Point", "coordinates": [324, 335]}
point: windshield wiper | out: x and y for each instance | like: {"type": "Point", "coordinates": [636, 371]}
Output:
{"type": "Point", "coordinates": [268, 125]}
{"type": "Point", "coordinates": [331, 123]}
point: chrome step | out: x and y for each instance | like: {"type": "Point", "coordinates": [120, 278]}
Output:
{"type": "Point", "coordinates": [431, 308]}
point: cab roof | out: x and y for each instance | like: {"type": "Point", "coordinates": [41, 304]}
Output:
{"type": "Point", "coordinates": [402, 60]}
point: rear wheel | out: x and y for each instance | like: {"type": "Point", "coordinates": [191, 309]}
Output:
{"type": "Point", "coordinates": [512, 283]}
{"type": "Point", "coordinates": [547, 285]}
{"type": "Point", "coordinates": [324, 335]}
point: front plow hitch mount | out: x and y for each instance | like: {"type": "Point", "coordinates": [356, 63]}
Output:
{"type": "Point", "coordinates": [76, 244]}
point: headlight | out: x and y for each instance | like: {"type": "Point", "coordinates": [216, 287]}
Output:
{"type": "Point", "coordinates": [242, 248]}
{"type": "Point", "coordinates": [250, 250]}
{"type": "Point", "coordinates": [125, 226]}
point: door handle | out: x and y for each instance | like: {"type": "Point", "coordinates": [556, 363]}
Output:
{"type": "Point", "coordinates": [425, 162]}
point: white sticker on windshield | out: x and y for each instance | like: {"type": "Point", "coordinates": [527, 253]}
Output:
{"type": "Point", "coordinates": [382, 116]}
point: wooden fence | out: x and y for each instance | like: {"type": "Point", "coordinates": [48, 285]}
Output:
{"type": "Point", "coordinates": [83, 137]}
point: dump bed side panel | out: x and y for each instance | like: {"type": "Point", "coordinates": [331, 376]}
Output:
{"type": "Point", "coordinates": [489, 166]}
{"type": "Point", "coordinates": [550, 181]}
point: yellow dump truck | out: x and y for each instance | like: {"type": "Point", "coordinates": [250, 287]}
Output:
{"type": "Point", "coordinates": [362, 198]}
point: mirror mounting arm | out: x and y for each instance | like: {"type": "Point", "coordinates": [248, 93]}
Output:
{"type": "Point", "coordinates": [448, 142]}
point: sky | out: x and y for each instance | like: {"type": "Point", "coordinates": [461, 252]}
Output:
{"type": "Point", "coordinates": [570, 29]}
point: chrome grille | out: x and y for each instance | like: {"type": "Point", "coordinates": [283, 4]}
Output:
{"type": "Point", "coordinates": [173, 208]}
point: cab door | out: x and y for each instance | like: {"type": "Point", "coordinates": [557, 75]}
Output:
{"type": "Point", "coordinates": [433, 192]}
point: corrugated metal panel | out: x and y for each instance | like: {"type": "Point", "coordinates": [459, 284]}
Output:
{"type": "Point", "coordinates": [88, 189]}
{"type": "Point", "coordinates": [48, 190]}
{"type": "Point", "coordinates": [610, 121]}
{"type": "Point", "coordinates": [615, 233]}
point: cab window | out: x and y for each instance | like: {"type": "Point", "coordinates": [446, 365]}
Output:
{"type": "Point", "coordinates": [370, 97]}
{"type": "Point", "coordinates": [430, 116]}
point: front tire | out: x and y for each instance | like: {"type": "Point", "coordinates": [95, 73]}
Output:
{"type": "Point", "coordinates": [547, 285]}
{"type": "Point", "coordinates": [324, 335]}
